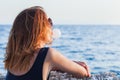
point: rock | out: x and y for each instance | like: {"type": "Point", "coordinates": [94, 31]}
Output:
{"type": "Point", "coordinates": [100, 76]}
{"type": "Point", "coordinates": [54, 75]}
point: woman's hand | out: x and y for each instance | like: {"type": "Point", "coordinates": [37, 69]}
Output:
{"type": "Point", "coordinates": [83, 64]}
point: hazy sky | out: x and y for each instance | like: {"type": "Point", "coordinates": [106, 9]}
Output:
{"type": "Point", "coordinates": [66, 11]}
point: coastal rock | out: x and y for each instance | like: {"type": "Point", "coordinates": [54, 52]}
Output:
{"type": "Point", "coordinates": [54, 75]}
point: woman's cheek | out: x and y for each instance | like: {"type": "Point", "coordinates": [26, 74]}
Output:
{"type": "Point", "coordinates": [49, 36]}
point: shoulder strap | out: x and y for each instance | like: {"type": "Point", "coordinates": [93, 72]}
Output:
{"type": "Point", "coordinates": [40, 58]}
{"type": "Point", "coordinates": [38, 64]}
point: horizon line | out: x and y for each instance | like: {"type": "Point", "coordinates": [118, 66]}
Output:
{"type": "Point", "coordinates": [77, 24]}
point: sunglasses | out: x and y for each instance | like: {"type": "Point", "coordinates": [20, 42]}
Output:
{"type": "Point", "coordinates": [50, 21]}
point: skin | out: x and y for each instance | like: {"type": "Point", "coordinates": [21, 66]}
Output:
{"type": "Point", "coordinates": [56, 61]}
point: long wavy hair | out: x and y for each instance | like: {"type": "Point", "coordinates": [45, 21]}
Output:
{"type": "Point", "coordinates": [28, 31]}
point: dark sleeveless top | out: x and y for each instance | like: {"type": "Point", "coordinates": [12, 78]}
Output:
{"type": "Point", "coordinates": [35, 73]}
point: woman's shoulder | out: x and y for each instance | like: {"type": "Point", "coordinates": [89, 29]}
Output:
{"type": "Point", "coordinates": [56, 56]}
{"type": "Point", "coordinates": [53, 52]}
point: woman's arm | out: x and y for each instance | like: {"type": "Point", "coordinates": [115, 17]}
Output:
{"type": "Point", "coordinates": [58, 61]}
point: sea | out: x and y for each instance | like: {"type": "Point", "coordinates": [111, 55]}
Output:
{"type": "Point", "coordinates": [96, 45]}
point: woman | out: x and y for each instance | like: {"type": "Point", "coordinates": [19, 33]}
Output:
{"type": "Point", "coordinates": [27, 58]}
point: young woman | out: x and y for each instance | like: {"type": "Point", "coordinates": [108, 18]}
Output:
{"type": "Point", "coordinates": [27, 58]}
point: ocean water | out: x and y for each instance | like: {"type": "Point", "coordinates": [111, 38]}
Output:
{"type": "Point", "coordinates": [97, 45]}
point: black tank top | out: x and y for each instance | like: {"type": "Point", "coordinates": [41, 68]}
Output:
{"type": "Point", "coordinates": [35, 73]}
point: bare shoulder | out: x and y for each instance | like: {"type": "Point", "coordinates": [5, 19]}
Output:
{"type": "Point", "coordinates": [51, 50]}
{"type": "Point", "coordinates": [57, 58]}
{"type": "Point", "coordinates": [53, 53]}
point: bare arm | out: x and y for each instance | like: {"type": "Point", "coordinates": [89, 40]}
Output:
{"type": "Point", "coordinates": [57, 60]}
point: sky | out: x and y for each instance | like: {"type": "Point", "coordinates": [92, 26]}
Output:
{"type": "Point", "coordinates": [66, 11]}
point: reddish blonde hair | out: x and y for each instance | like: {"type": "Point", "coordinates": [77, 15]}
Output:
{"type": "Point", "coordinates": [28, 31]}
